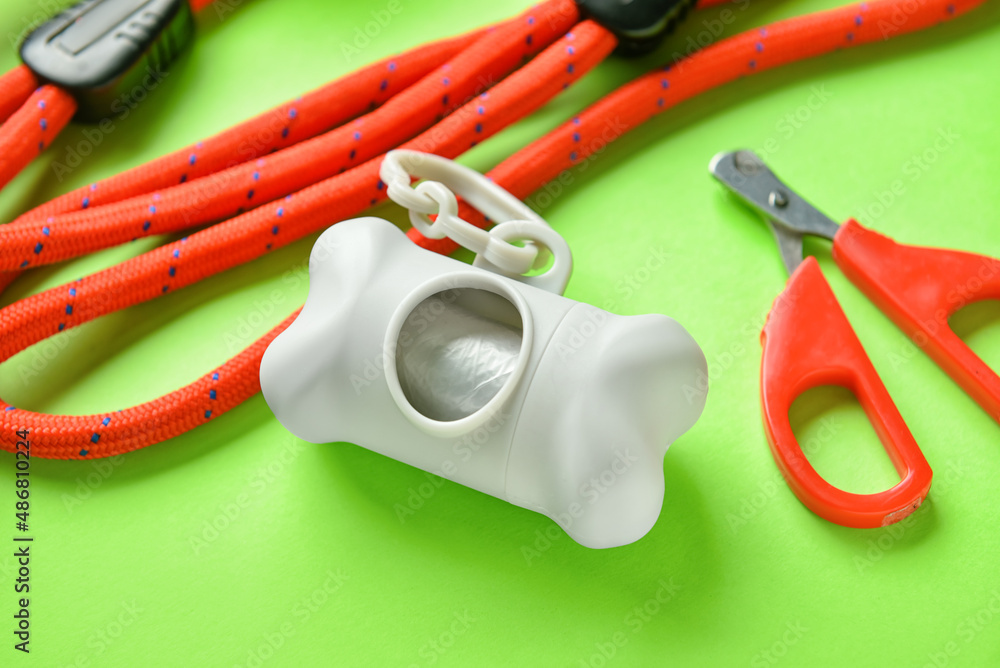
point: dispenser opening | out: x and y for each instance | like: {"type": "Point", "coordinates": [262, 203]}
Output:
{"type": "Point", "coordinates": [456, 350]}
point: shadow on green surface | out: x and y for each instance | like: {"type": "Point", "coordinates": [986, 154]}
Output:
{"type": "Point", "coordinates": [505, 542]}
{"type": "Point", "coordinates": [838, 440]}
{"type": "Point", "coordinates": [868, 547]}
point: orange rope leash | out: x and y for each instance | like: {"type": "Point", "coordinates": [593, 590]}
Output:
{"type": "Point", "coordinates": [281, 221]}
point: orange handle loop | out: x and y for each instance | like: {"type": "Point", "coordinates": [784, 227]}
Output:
{"type": "Point", "coordinates": [919, 288]}
{"type": "Point", "coordinates": [808, 342]}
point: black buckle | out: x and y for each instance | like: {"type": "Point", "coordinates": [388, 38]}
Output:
{"type": "Point", "coordinates": [105, 51]}
{"type": "Point", "coordinates": [639, 25]}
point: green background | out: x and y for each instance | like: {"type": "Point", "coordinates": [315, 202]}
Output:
{"type": "Point", "coordinates": [121, 579]}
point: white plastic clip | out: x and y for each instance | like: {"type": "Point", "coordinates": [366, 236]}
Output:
{"type": "Point", "coordinates": [494, 250]}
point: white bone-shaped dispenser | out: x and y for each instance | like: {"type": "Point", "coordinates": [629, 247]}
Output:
{"type": "Point", "coordinates": [575, 429]}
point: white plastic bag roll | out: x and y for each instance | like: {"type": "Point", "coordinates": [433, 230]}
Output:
{"type": "Point", "coordinates": [451, 360]}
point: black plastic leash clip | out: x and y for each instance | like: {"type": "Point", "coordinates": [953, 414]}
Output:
{"type": "Point", "coordinates": [104, 51]}
{"type": "Point", "coordinates": [639, 25]}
